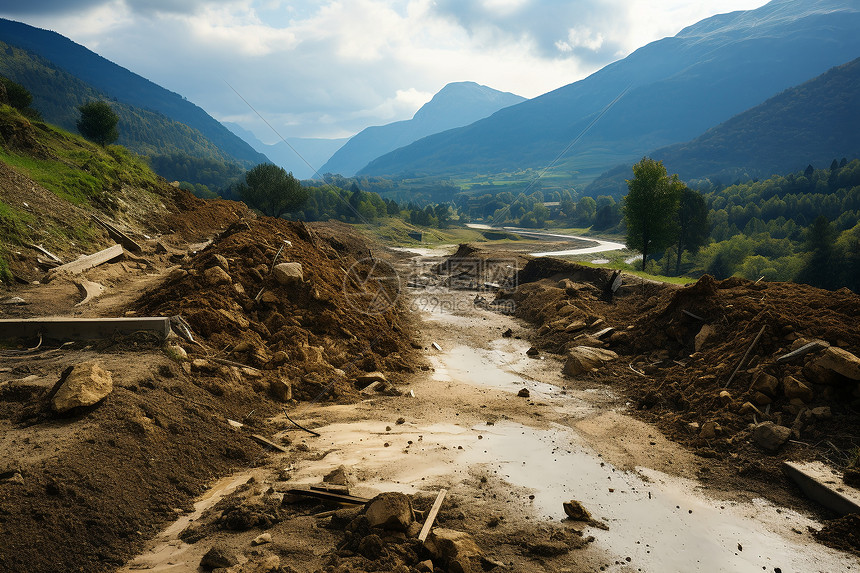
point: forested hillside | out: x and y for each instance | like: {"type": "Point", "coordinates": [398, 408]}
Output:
{"type": "Point", "coordinates": [810, 123]}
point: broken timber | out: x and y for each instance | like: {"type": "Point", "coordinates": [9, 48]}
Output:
{"type": "Point", "coordinates": [431, 516]}
{"type": "Point", "coordinates": [329, 496]}
{"type": "Point", "coordinates": [268, 443]}
{"type": "Point", "coordinates": [820, 484]}
{"type": "Point", "coordinates": [127, 242]}
{"type": "Point", "coordinates": [62, 328]}
{"type": "Point", "coordinates": [88, 262]}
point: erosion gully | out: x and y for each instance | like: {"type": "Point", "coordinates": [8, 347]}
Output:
{"type": "Point", "coordinates": [464, 419]}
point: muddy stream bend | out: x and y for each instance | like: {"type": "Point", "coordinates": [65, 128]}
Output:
{"type": "Point", "coordinates": [464, 427]}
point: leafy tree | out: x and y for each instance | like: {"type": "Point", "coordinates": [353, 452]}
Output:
{"type": "Point", "coordinates": [693, 228]}
{"type": "Point", "coordinates": [650, 208]}
{"type": "Point", "coordinates": [98, 122]}
{"type": "Point", "coordinates": [819, 269]}
{"type": "Point", "coordinates": [17, 95]}
{"type": "Point", "coordinates": [272, 190]}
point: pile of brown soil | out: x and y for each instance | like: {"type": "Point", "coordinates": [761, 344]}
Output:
{"type": "Point", "coordinates": [687, 392]}
{"type": "Point", "coordinates": [842, 533]}
{"type": "Point", "coordinates": [343, 318]}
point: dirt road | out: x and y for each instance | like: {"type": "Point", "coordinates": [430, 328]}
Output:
{"type": "Point", "coordinates": [508, 459]}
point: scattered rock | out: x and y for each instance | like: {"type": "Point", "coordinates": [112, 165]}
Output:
{"type": "Point", "coordinates": [702, 337]}
{"type": "Point", "coordinates": [371, 547]}
{"type": "Point", "coordinates": [725, 396]}
{"type": "Point", "coordinates": [281, 390]}
{"type": "Point", "coordinates": [532, 351]}
{"type": "Point", "coordinates": [288, 274]}
{"type": "Point", "coordinates": [576, 511]}
{"type": "Point", "coordinates": [508, 333]}
{"type": "Point", "coordinates": [425, 566]}
{"type": "Point", "coordinates": [524, 393]}
{"type": "Point", "coordinates": [84, 384]}
{"type": "Point", "coordinates": [262, 539]}
{"type": "Point", "coordinates": [709, 430]}
{"type": "Point", "coordinates": [222, 261]}
{"type": "Point", "coordinates": [840, 361]}
{"type": "Point", "coordinates": [765, 383]}
{"type": "Point", "coordinates": [794, 388]}
{"type": "Point", "coordinates": [390, 510]}
{"type": "Point", "coordinates": [581, 359]}
{"type": "Point", "coordinates": [769, 436]}
{"type": "Point", "coordinates": [218, 558]}
{"type": "Point", "coordinates": [451, 545]}
{"type": "Point", "coordinates": [337, 476]}
{"type": "Point", "coordinates": [822, 412]}
{"type": "Point", "coordinates": [364, 379]}
{"type": "Point", "coordinates": [217, 276]}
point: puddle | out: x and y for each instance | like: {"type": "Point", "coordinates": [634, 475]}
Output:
{"type": "Point", "coordinates": [660, 522]}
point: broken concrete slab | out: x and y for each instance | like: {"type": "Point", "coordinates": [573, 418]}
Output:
{"type": "Point", "coordinates": [84, 384]}
{"type": "Point", "coordinates": [823, 485]}
{"type": "Point", "coordinates": [87, 262]}
{"type": "Point", "coordinates": [61, 328]}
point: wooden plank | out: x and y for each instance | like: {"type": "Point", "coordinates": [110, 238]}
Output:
{"type": "Point", "coordinates": [64, 328]}
{"type": "Point", "coordinates": [431, 516]}
{"type": "Point", "coordinates": [88, 262]}
{"type": "Point", "coordinates": [127, 242]}
{"type": "Point", "coordinates": [261, 440]}
{"type": "Point", "coordinates": [802, 351]}
{"type": "Point", "coordinates": [823, 485]}
{"type": "Point", "coordinates": [329, 496]}
{"type": "Point", "coordinates": [47, 253]}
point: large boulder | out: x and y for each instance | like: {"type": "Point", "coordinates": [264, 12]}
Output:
{"type": "Point", "coordinates": [765, 383]}
{"type": "Point", "coordinates": [769, 436]}
{"type": "Point", "coordinates": [82, 385]}
{"type": "Point", "coordinates": [288, 274]}
{"type": "Point", "coordinates": [450, 545]}
{"type": "Point", "coordinates": [840, 361]}
{"type": "Point", "coordinates": [390, 510]}
{"type": "Point", "coordinates": [581, 359]}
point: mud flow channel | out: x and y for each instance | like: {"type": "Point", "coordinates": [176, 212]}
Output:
{"type": "Point", "coordinates": [465, 424]}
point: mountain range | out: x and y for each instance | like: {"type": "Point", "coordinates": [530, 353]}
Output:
{"type": "Point", "coordinates": [117, 83]}
{"type": "Point", "coordinates": [813, 123]}
{"type": "Point", "coordinates": [455, 105]}
{"type": "Point", "coordinates": [664, 93]}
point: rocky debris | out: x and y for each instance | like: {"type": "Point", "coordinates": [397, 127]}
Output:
{"type": "Point", "coordinates": [794, 388]}
{"type": "Point", "coordinates": [840, 361]}
{"type": "Point", "coordinates": [582, 359]}
{"type": "Point", "coordinates": [83, 384]}
{"type": "Point", "coordinates": [532, 351]}
{"type": "Point", "coordinates": [702, 337]}
{"type": "Point", "coordinates": [449, 545]}
{"type": "Point", "coordinates": [390, 510]}
{"type": "Point", "coordinates": [218, 557]}
{"type": "Point", "coordinates": [363, 380]}
{"type": "Point", "coordinates": [281, 390]}
{"type": "Point", "coordinates": [262, 539]}
{"type": "Point", "coordinates": [508, 333]}
{"type": "Point", "coordinates": [217, 276]}
{"type": "Point", "coordinates": [524, 393]}
{"type": "Point", "coordinates": [575, 511]}
{"type": "Point", "coordinates": [770, 436]}
{"type": "Point", "coordinates": [222, 262]}
{"type": "Point", "coordinates": [288, 274]}
{"type": "Point", "coordinates": [337, 476]}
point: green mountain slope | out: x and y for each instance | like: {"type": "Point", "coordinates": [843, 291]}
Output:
{"type": "Point", "coordinates": [812, 123]}
{"type": "Point", "coordinates": [124, 86]}
{"type": "Point", "coordinates": [671, 91]}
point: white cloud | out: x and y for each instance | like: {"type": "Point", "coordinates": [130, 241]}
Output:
{"type": "Point", "coordinates": [330, 68]}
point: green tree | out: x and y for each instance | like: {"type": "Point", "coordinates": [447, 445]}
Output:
{"type": "Point", "coordinates": [272, 190]}
{"type": "Point", "coordinates": [693, 228]}
{"type": "Point", "coordinates": [17, 95]}
{"type": "Point", "coordinates": [819, 269]}
{"type": "Point", "coordinates": [98, 122]}
{"type": "Point", "coordinates": [650, 208]}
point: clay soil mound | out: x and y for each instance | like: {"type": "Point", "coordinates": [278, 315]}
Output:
{"type": "Point", "coordinates": [343, 318]}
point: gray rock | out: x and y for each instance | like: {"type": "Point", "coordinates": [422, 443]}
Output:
{"type": "Point", "coordinates": [288, 274]}
{"type": "Point", "coordinates": [83, 385]}
{"type": "Point", "coordinates": [769, 436]}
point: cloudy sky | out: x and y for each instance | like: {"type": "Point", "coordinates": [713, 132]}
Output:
{"type": "Point", "coordinates": [330, 68]}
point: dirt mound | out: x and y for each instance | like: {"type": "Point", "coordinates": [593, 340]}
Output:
{"type": "Point", "coordinates": [842, 533]}
{"type": "Point", "coordinates": [683, 346]}
{"type": "Point", "coordinates": [343, 315]}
